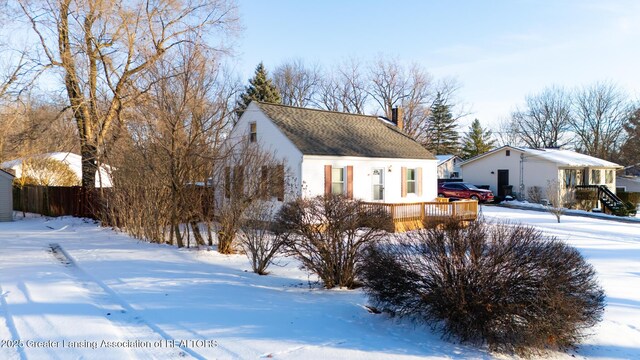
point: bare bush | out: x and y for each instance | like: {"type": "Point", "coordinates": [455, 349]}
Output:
{"type": "Point", "coordinates": [534, 194]}
{"type": "Point", "coordinates": [327, 234]}
{"type": "Point", "coordinates": [503, 285]}
{"type": "Point", "coordinates": [256, 237]}
{"type": "Point", "coordinates": [559, 199]}
{"type": "Point", "coordinates": [250, 175]}
{"type": "Point", "coordinates": [46, 172]}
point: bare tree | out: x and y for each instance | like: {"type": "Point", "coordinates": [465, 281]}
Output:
{"type": "Point", "coordinates": [545, 120]}
{"type": "Point", "coordinates": [344, 89]}
{"type": "Point", "coordinates": [389, 84]}
{"type": "Point", "coordinates": [35, 124]}
{"type": "Point", "coordinates": [297, 83]}
{"type": "Point", "coordinates": [174, 136]}
{"type": "Point", "coordinates": [103, 48]}
{"type": "Point", "coordinates": [507, 133]}
{"type": "Point", "coordinates": [600, 112]}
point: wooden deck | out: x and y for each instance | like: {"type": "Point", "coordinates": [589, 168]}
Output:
{"type": "Point", "coordinates": [412, 216]}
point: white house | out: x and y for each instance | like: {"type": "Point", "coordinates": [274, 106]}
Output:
{"type": "Point", "coordinates": [448, 166]}
{"type": "Point", "coordinates": [73, 161]}
{"type": "Point", "coordinates": [6, 196]}
{"type": "Point", "coordinates": [522, 168]}
{"type": "Point", "coordinates": [628, 183]}
{"type": "Point", "coordinates": [362, 157]}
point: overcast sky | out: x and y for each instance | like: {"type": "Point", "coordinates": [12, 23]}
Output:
{"type": "Point", "coordinates": [500, 51]}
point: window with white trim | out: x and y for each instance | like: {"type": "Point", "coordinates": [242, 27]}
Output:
{"type": "Point", "coordinates": [411, 181]}
{"type": "Point", "coordinates": [608, 176]}
{"type": "Point", "coordinates": [595, 176]}
{"type": "Point", "coordinates": [570, 176]}
{"type": "Point", "coordinates": [337, 181]}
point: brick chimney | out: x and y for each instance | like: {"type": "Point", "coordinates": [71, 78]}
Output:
{"type": "Point", "coordinates": [397, 117]}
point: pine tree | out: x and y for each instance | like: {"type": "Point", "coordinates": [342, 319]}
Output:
{"type": "Point", "coordinates": [260, 88]}
{"type": "Point", "coordinates": [477, 141]}
{"type": "Point", "coordinates": [630, 150]}
{"type": "Point", "coordinates": [442, 137]}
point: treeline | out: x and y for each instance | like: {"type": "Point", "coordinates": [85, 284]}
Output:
{"type": "Point", "coordinates": [599, 119]}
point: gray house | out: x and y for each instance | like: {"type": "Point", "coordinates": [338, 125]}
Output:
{"type": "Point", "coordinates": [6, 196]}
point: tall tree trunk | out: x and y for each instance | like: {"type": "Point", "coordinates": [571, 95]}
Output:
{"type": "Point", "coordinates": [89, 154]}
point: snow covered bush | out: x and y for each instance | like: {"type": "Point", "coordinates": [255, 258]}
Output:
{"type": "Point", "coordinates": [503, 285]}
{"type": "Point", "coordinates": [328, 235]}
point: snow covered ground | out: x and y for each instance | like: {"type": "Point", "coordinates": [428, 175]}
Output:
{"type": "Point", "coordinates": [70, 289]}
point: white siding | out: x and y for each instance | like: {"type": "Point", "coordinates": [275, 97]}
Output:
{"type": "Point", "coordinates": [484, 171]}
{"type": "Point", "coordinates": [270, 139]}
{"type": "Point", "coordinates": [6, 197]}
{"type": "Point", "coordinates": [313, 177]}
{"type": "Point", "coordinates": [446, 168]}
{"type": "Point", "coordinates": [535, 171]}
{"type": "Point", "coordinates": [308, 171]}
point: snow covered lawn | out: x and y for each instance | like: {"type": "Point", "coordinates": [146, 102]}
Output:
{"type": "Point", "coordinates": [101, 294]}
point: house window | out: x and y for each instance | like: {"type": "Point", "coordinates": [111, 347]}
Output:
{"type": "Point", "coordinates": [271, 182]}
{"type": "Point", "coordinates": [253, 132]}
{"type": "Point", "coordinates": [508, 152]}
{"type": "Point", "coordinates": [608, 176]}
{"type": "Point", "coordinates": [411, 181]}
{"type": "Point", "coordinates": [570, 178]}
{"type": "Point", "coordinates": [337, 181]}
{"type": "Point", "coordinates": [595, 176]}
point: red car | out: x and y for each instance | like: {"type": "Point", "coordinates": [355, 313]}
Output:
{"type": "Point", "coordinates": [460, 190]}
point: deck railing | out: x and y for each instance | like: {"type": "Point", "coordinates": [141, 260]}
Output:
{"type": "Point", "coordinates": [409, 216]}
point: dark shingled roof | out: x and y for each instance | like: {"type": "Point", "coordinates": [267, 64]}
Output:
{"type": "Point", "coordinates": [321, 132]}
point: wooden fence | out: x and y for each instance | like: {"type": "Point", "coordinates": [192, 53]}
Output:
{"type": "Point", "coordinates": [411, 216]}
{"type": "Point", "coordinates": [57, 201]}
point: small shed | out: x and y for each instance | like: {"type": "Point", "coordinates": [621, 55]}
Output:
{"type": "Point", "coordinates": [6, 196]}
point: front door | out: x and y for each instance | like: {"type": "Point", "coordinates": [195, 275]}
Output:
{"type": "Point", "coordinates": [503, 181]}
{"type": "Point", "coordinates": [377, 177]}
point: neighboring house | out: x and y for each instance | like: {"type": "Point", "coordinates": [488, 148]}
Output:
{"type": "Point", "coordinates": [6, 196]}
{"type": "Point", "coordinates": [448, 167]}
{"type": "Point", "coordinates": [519, 169]}
{"type": "Point", "coordinates": [628, 183]}
{"type": "Point", "coordinates": [361, 157]}
{"type": "Point", "coordinates": [73, 161]}
{"type": "Point", "coordinates": [632, 170]}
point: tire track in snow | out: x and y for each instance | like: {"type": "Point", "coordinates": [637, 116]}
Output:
{"type": "Point", "coordinates": [15, 336]}
{"type": "Point", "coordinates": [134, 318]}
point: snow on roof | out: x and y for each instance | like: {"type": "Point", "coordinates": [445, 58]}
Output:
{"type": "Point", "coordinates": [74, 161]}
{"type": "Point", "coordinates": [569, 158]}
{"type": "Point", "coordinates": [444, 158]}
{"type": "Point", "coordinates": [558, 156]}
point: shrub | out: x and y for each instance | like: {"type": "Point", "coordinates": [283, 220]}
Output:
{"type": "Point", "coordinates": [502, 285]}
{"type": "Point", "coordinates": [534, 194]}
{"type": "Point", "coordinates": [328, 234]}
{"type": "Point", "coordinates": [257, 240]}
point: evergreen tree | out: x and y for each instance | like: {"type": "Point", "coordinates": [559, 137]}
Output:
{"type": "Point", "coordinates": [476, 141]}
{"type": "Point", "coordinates": [630, 151]}
{"type": "Point", "coordinates": [441, 137]}
{"type": "Point", "coordinates": [260, 88]}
